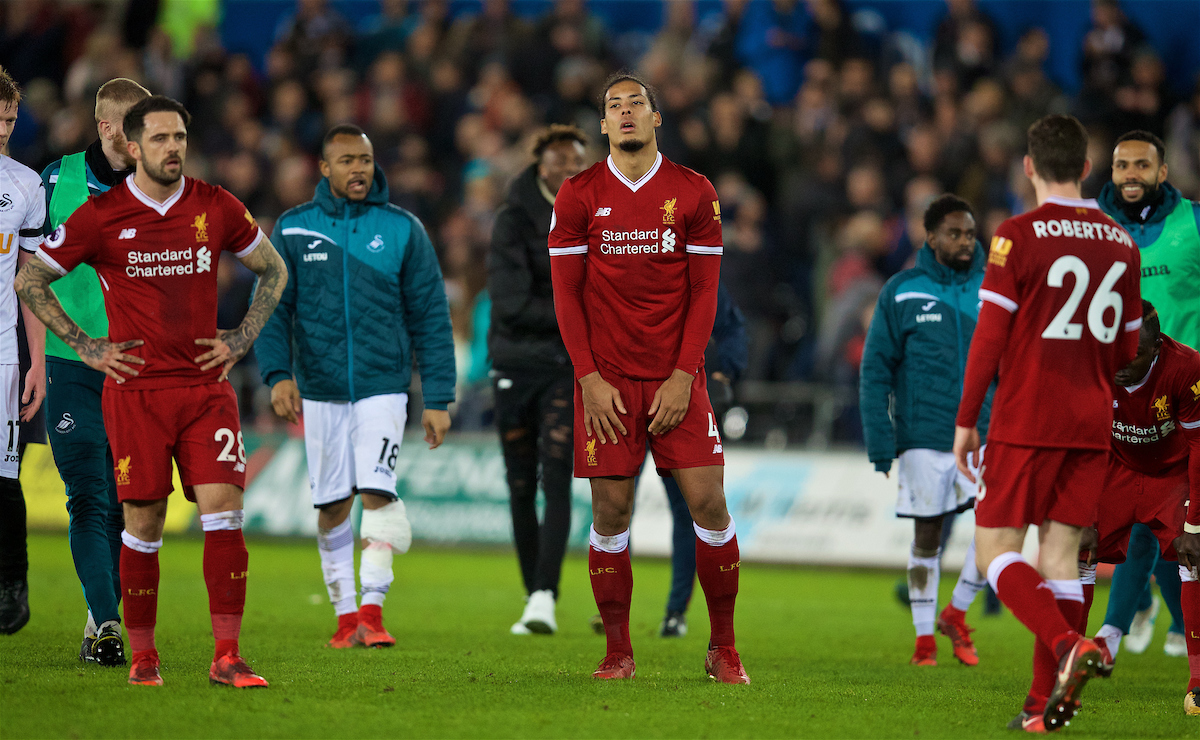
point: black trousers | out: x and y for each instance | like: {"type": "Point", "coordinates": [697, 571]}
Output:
{"type": "Point", "coordinates": [535, 416]}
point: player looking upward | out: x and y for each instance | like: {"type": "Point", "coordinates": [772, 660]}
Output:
{"type": "Point", "coordinates": [1166, 228]}
{"type": "Point", "coordinates": [1060, 315]}
{"type": "Point", "coordinates": [635, 247]}
{"type": "Point", "coordinates": [1155, 464]}
{"type": "Point", "coordinates": [77, 436]}
{"type": "Point", "coordinates": [912, 368]}
{"type": "Point", "coordinates": [154, 241]}
{"type": "Point", "coordinates": [24, 207]}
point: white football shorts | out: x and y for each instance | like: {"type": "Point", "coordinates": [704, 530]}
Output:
{"type": "Point", "coordinates": [10, 406]}
{"type": "Point", "coordinates": [931, 485]}
{"type": "Point", "coordinates": [353, 446]}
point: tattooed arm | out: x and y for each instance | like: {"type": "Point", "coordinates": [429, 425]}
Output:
{"type": "Point", "coordinates": [33, 287]}
{"type": "Point", "coordinates": [230, 346]}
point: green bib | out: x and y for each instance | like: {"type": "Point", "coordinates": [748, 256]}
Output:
{"type": "Point", "coordinates": [79, 290]}
{"type": "Point", "coordinates": [1171, 275]}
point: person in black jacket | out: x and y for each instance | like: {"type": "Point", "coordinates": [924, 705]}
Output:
{"type": "Point", "coordinates": [532, 373]}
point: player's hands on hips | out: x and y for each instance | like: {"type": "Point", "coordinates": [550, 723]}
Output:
{"type": "Point", "coordinates": [966, 442]}
{"type": "Point", "coordinates": [285, 399]}
{"type": "Point", "coordinates": [601, 404]}
{"type": "Point", "coordinates": [101, 354]}
{"type": "Point", "coordinates": [227, 348]}
{"type": "Point", "coordinates": [1187, 546]}
{"type": "Point", "coordinates": [670, 402]}
{"type": "Point", "coordinates": [436, 423]}
{"type": "Point", "coordinates": [35, 391]}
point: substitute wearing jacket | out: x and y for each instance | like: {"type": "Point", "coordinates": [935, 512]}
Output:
{"type": "Point", "coordinates": [911, 380]}
{"type": "Point", "coordinates": [76, 424]}
{"type": "Point", "coordinates": [364, 296]}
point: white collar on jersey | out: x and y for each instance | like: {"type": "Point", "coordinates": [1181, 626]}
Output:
{"type": "Point", "coordinates": [1058, 200]}
{"type": "Point", "coordinates": [635, 186]}
{"type": "Point", "coordinates": [160, 208]}
{"type": "Point", "coordinates": [1132, 388]}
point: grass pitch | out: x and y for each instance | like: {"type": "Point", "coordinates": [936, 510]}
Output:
{"type": "Point", "coordinates": [827, 651]}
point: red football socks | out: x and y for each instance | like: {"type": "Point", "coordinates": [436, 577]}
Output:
{"type": "Point", "coordinates": [612, 585]}
{"type": "Point", "coordinates": [225, 570]}
{"type": "Point", "coordinates": [139, 582]}
{"type": "Point", "coordinates": [1029, 598]}
{"type": "Point", "coordinates": [717, 568]}
{"type": "Point", "coordinates": [1189, 598]}
{"type": "Point", "coordinates": [1089, 593]}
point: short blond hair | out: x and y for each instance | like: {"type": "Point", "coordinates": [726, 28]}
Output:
{"type": "Point", "coordinates": [118, 92]}
{"type": "Point", "coordinates": [10, 92]}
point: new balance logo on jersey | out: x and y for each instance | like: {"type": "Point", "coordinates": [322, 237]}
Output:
{"type": "Point", "coordinates": [602, 212]}
{"type": "Point", "coordinates": [127, 233]}
{"type": "Point", "coordinates": [203, 260]}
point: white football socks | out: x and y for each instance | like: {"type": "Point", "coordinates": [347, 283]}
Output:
{"type": "Point", "coordinates": [375, 572]}
{"type": "Point", "coordinates": [923, 575]}
{"type": "Point", "coordinates": [970, 582]}
{"type": "Point", "coordinates": [1112, 638]}
{"type": "Point", "coordinates": [337, 565]}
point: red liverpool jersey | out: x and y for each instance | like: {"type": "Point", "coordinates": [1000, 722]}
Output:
{"type": "Point", "coordinates": [1146, 417]}
{"type": "Point", "coordinates": [1064, 278]}
{"type": "Point", "coordinates": [635, 268]}
{"type": "Point", "coordinates": [157, 264]}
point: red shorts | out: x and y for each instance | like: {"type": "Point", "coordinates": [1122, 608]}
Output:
{"type": "Point", "coordinates": [694, 443]}
{"type": "Point", "coordinates": [1130, 497]}
{"type": "Point", "coordinates": [198, 426]}
{"type": "Point", "coordinates": [1030, 485]}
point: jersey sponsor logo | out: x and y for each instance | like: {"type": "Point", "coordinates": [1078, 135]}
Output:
{"type": "Point", "coordinates": [127, 234]}
{"type": "Point", "coordinates": [161, 264]}
{"type": "Point", "coordinates": [602, 212]}
{"type": "Point", "coordinates": [375, 246]}
{"type": "Point", "coordinates": [927, 317]}
{"type": "Point", "coordinates": [637, 241]}
{"type": "Point", "coordinates": [1196, 390]}
{"type": "Point", "coordinates": [6, 241]}
{"type": "Point", "coordinates": [121, 470]}
{"type": "Point", "coordinates": [998, 252]}
{"type": "Point", "coordinates": [668, 241]}
{"type": "Point", "coordinates": [201, 227]}
{"type": "Point", "coordinates": [590, 449]}
{"type": "Point", "coordinates": [56, 239]}
{"type": "Point", "coordinates": [1135, 435]}
{"type": "Point", "coordinates": [316, 257]}
{"type": "Point", "coordinates": [668, 209]}
{"type": "Point", "coordinates": [65, 425]}
{"type": "Point", "coordinates": [1155, 271]}
{"type": "Point", "coordinates": [1057, 227]}
{"type": "Point", "coordinates": [203, 259]}
{"type": "Point", "coordinates": [716, 211]}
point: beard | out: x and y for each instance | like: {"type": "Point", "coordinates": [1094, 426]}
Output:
{"type": "Point", "coordinates": [160, 175]}
{"type": "Point", "coordinates": [631, 145]}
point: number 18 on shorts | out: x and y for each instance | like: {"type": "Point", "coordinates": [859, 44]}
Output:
{"type": "Point", "coordinates": [353, 446]}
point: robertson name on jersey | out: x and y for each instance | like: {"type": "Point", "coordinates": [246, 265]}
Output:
{"type": "Point", "coordinates": [157, 264]}
{"type": "Point", "coordinates": [637, 238]}
{"type": "Point", "coordinates": [1152, 420]}
{"type": "Point", "coordinates": [1068, 275]}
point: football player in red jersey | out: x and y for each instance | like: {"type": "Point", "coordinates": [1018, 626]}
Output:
{"type": "Point", "coordinates": [154, 241]}
{"type": "Point", "coordinates": [1061, 311]}
{"type": "Point", "coordinates": [635, 246]}
{"type": "Point", "coordinates": [1155, 462]}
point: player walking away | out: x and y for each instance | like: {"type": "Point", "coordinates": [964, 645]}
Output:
{"type": "Point", "coordinates": [22, 209]}
{"type": "Point", "coordinates": [154, 241]}
{"type": "Point", "coordinates": [364, 293]}
{"type": "Point", "coordinates": [531, 372]}
{"type": "Point", "coordinates": [1155, 451]}
{"type": "Point", "coordinates": [1060, 315]}
{"type": "Point", "coordinates": [1166, 228]}
{"type": "Point", "coordinates": [635, 245]}
{"type": "Point", "coordinates": [914, 358]}
{"type": "Point", "coordinates": [77, 436]}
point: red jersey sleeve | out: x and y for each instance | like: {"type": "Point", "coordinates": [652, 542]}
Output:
{"type": "Point", "coordinates": [241, 232]}
{"type": "Point", "coordinates": [704, 247]}
{"type": "Point", "coordinates": [568, 267]}
{"type": "Point", "coordinates": [704, 222]}
{"type": "Point", "coordinates": [1187, 410]}
{"type": "Point", "coordinates": [75, 241]}
{"type": "Point", "coordinates": [1131, 297]}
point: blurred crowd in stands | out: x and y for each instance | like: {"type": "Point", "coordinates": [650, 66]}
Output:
{"type": "Point", "coordinates": [825, 135]}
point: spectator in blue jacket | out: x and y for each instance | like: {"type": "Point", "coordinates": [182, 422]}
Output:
{"type": "Point", "coordinates": [364, 295]}
{"type": "Point", "coordinates": [909, 388]}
